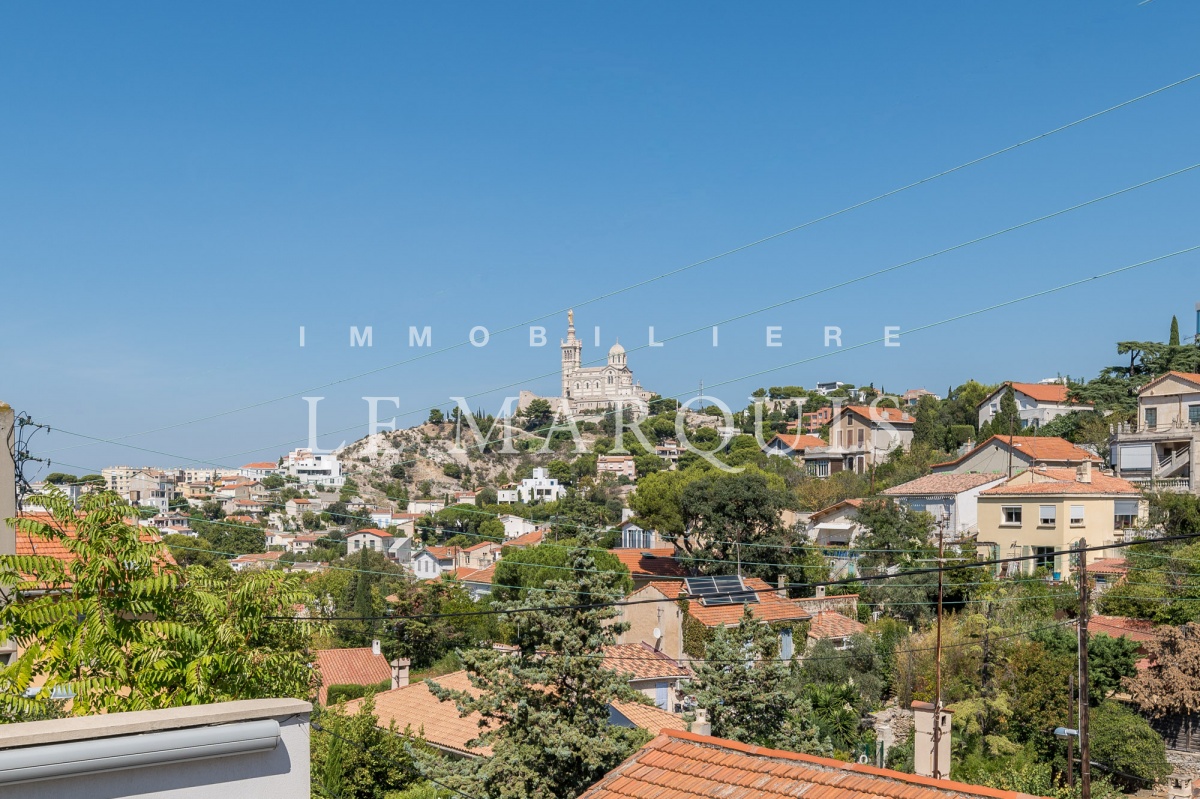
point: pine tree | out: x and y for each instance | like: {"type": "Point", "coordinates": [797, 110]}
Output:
{"type": "Point", "coordinates": [745, 687]}
{"type": "Point", "coordinates": [547, 705]}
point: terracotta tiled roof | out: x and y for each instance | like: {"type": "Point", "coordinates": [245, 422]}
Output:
{"type": "Point", "coordinates": [484, 575]}
{"type": "Point", "coordinates": [254, 557]}
{"type": "Point", "coordinates": [460, 572]}
{"type": "Point", "coordinates": [1062, 481]}
{"type": "Point", "coordinates": [845, 503]}
{"type": "Point", "coordinates": [414, 706]}
{"type": "Point", "coordinates": [769, 607]}
{"type": "Point", "coordinates": [683, 765]}
{"type": "Point", "coordinates": [527, 540]}
{"type": "Point", "coordinates": [661, 562]}
{"type": "Point", "coordinates": [1190, 377]}
{"type": "Point", "coordinates": [800, 442]}
{"type": "Point", "coordinates": [642, 662]}
{"type": "Point", "coordinates": [828, 624]}
{"type": "Point", "coordinates": [482, 545]}
{"type": "Point", "coordinates": [890, 415]}
{"type": "Point", "coordinates": [1108, 566]}
{"type": "Point", "coordinates": [650, 718]}
{"type": "Point", "coordinates": [1042, 392]}
{"type": "Point", "coordinates": [940, 484]}
{"type": "Point", "coordinates": [1117, 626]}
{"type": "Point", "coordinates": [262, 465]}
{"type": "Point", "coordinates": [359, 666]}
{"type": "Point", "coordinates": [28, 544]}
{"type": "Point", "coordinates": [374, 531]}
{"type": "Point", "coordinates": [1038, 448]}
{"type": "Point", "coordinates": [443, 553]}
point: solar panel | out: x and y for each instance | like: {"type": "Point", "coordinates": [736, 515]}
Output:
{"type": "Point", "coordinates": [724, 589]}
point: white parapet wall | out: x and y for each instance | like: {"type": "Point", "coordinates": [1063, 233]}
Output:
{"type": "Point", "coordinates": [253, 748]}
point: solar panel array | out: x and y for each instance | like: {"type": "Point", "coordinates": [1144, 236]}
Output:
{"type": "Point", "coordinates": [725, 589]}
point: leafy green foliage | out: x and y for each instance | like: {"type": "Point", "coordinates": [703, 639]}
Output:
{"type": "Point", "coordinates": [524, 572]}
{"type": "Point", "coordinates": [1125, 744]}
{"type": "Point", "coordinates": [124, 628]}
{"type": "Point", "coordinates": [352, 757]}
{"type": "Point", "coordinates": [342, 692]}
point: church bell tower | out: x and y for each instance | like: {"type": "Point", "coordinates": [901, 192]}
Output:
{"type": "Point", "coordinates": [572, 355]}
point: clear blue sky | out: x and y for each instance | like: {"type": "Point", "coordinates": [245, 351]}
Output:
{"type": "Point", "coordinates": [183, 187]}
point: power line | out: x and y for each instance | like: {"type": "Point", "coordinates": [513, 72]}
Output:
{"type": "Point", "coordinates": [759, 373]}
{"type": "Point", "coordinates": [695, 264]}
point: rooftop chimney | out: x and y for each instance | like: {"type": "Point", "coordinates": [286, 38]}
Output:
{"type": "Point", "coordinates": [1083, 473]}
{"type": "Point", "coordinates": [400, 672]}
{"type": "Point", "coordinates": [8, 481]}
{"type": "Point", "coordinates": [782, 592]}
{"type": "Point", "coordinates": [375, 648]}
{"type": "Point", "coordinates": [820, 592]}
{"type": "Point", "coordinates": [923, 741]}
{"type": "Point", "coordinates": [701, 726]}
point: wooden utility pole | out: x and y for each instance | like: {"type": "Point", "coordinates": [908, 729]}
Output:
{"type": "Point", "coordinates": [1071, 738]}
{"type": "Point", "coordinates": [937, 668]}
{"type": "Point", "coordinates": [1085, 763]}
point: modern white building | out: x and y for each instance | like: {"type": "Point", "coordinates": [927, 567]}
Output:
{"type": "Point", "coordinates": [516, 526]}
{"type": "Point", "coordinates": [539, 488]}
{"type": "Point", "coordinates": [324, 469]}
{"type": "Point", "coordinates": [394, 548]}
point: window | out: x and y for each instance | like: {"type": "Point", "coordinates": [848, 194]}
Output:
{"type": "Point", "coordinates": [1194, 414]}
{"type": "Point", "coordinates": [786, 648]}
{"type": "Point", "coordinates": [1044, 558]}
{"type": "Point", "coordinates": [860, 436]}
{"type": "Point", "coordinates": [1152, 417]}
{"type": "Point", "coordinates": [1011, 514]}
{"type": "Point", "coordinates": [1047, 515]}
{"type": "Point", "coordinates": [1077, 516]}
{"type": "Point", "coordinates": [1125, 513]}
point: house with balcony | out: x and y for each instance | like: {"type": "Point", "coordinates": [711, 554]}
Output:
{"type": "Point", "coordinates": [860, 437]}
{"type": "Point", "coordinates": [1045, 512]}
{"type": "Point", "coordinates": [1037, 403]}
{"type": "Point", "coordinates": [1160, 450]}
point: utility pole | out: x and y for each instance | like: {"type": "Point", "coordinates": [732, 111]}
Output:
{"type": "Point", "coordinates": [937, 668]}
{"type": "Point", "coordinates": [1070, 738]}
{"type": "Point", "coordinates": [1085, 770]}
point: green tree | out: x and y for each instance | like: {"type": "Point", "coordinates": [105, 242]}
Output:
{"type": "Point", "coordinates": [122, 627]}
{"type": "Point", "coordinates": [1173, 339]}
{"type": "Point", "coordinates": [538, 414]}
{"type": "Point", "coordinates": [658, 500]}
{"type": "Point", "coordinates": [1123, 742]}
{"type": "Point", "coordinates": [436, 416]}
{"type": "Point", "coordinates": [352, 757]}
{"type": "Point", "coordinates": [547, 703]}
{"type": "Point", "coordinates": [744, 685]}
{"type": "Point", "coordinates": [525, 572]}
{"type": "Point", "coordinates": [891, 532]}
{"type": "Point", "coordinates": [731, 518]}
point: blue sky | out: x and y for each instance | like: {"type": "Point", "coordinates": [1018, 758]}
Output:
{"type": "Point", "coordinates": [183, 187]}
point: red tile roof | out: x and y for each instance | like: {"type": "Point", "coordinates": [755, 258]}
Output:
{"type": "Point", "coordinates": [941, 484]}
{"type": "Point", "coordinates": [661, 562]}
{"type": "Point", "coordinates": [442, 553]}
{"type": "Point", "coordinates": [1117, 626]}
{"type": "Point", "coordinates": [527, 540]}
{"type": "Point", "coordinates": [851, 503]}
{"type": "Point", "coordinates": [683, 765]}
{"type": "Point", "coordinates": [358, 666]}
{"type": "Point", "coordinates": [375, 531]}
{"type": "Point", "coordinates": [262, 465]}
{"type": "Point", "coordinates": [889, 415]}
{"type": "Point", "coordinates": [830, 624]}
{"type": "Point", "coordinates": [1038, 448]}
{"type": "Point", "coordinates": [1108, 566]}
{"type": "Point", "coordinates": [1061, 481]}
{"type": "Point", "coordinates": [484, 575]}
{"type": "Point", "coordinates": [1190, 377]}
{"type": "Point", "coordinates": [30, 544]}
{"type": "Point", "coordinates": [1042, 392]}
{"type": "Point", "coordinates": [800, 442]}
{"type": "Point", "coordinates": [642, 662]}
{"type": "Point", "coordinates": [769, 607]}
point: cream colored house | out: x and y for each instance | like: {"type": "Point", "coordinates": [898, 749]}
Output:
{"type": "Point", "coordinates": [1045, 512]}
{"type": "Point", "coordinates": [1161, 449]}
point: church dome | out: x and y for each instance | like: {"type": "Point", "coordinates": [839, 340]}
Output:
{"type": "Point", "coordinates": [616, 349]}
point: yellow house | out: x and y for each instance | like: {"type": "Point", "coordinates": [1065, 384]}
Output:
{"type": "Point", "coordinates": [1046, 511]}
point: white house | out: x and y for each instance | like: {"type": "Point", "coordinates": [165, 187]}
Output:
{"type": "Point", "coordinates": [540, 488]}
{"type": "Point", "coordinates": [835, 529]}
{"type": "Point", "coordinates": [395, 548]}
{"type": "Point", "coordinates": [423, 506]}
{"type": "Point", "coordinates": [1037, 403]}
{"type": "Point", "coordinates": [259, 470]}
{"type": "Point", "coordinates": [516, 526]}
{"type": "Point", "coordinates": [634, 536]}
{"type": "Point", "coordinates": [324, 469]}
{"type": "Point", "coordinates": [507, 494]}
{"type": "Point", "coordinates": [952, 499]}
{"type": "Point", "coordinates": [432, 562]}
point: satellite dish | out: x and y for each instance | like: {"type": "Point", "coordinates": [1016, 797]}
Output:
{"type": "Point", "coordinates": [657, 633]}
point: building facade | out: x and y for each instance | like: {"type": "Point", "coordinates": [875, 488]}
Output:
{"type": "Point", "coordinates": [596, 388]}
{"type": "Point", "coordinates": [1161, 448]}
